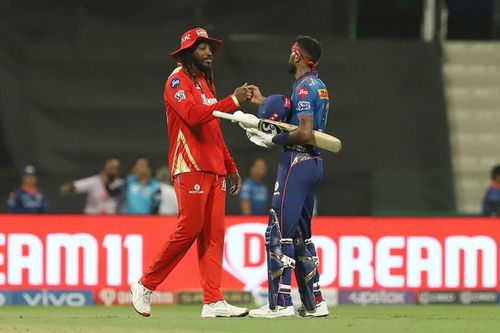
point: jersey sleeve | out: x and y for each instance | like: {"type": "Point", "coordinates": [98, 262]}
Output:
{"type": "Point", "coordinates": [84, 185]}
{"type": "Point", "coordinates": [305, 100]}
{"type": "Point", "coordinates": [229, 162]}
{"type": "Point", "coordinates": [178, 94]}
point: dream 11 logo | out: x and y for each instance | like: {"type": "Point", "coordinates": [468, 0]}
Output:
{"type": "Point", "coordinates": [245, 255]}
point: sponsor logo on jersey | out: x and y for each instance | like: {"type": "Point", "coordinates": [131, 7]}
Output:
{"type": "Point", "coordinates": [196, 189]}
{"type": "Point", "coordinates": [208, 101]}
{"type": "Point", "coordinates": [323, 93]}
{"type": "Point", "coordinates": [303, 92]}
{"type": "Point", "coordinates": [175, 83]}
{"type": "Point", "coordinates": [303, 106]}
{"type": "Point", "coordinates": [180, 95]}
{"type": "Point", "coordinates": [276, 187]}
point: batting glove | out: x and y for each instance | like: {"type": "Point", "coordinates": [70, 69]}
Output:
{"type": "Point", "coordinates": [260, 138]}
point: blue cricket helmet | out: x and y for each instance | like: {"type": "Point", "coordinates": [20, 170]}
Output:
{"type": "Point", "coordinates": [275, 107]}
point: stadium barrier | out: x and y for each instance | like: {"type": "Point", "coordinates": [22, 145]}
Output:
{"type": "Point", "coordinates": [82, 260]}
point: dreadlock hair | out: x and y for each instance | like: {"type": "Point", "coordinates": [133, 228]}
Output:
{"type": "Point", "coordinates": [186, 59]}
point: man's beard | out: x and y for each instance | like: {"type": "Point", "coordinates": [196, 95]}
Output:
{"type": "Point", "coordinates": [292, 69]}
{"type": "Point", "coordinates": [200, 65]}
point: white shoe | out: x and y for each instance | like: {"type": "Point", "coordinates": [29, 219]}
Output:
{"type": "Point", "coordinates": [321, 311]}
{"type": "Point", "coordinates": [222, 309]}
{"type": "Point", "coordinates": [141, 298]}
{"type": "Point", "coordinates": [265, 312]}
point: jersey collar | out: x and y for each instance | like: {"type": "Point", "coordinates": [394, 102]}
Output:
{"type": "Point", "coordinates": [30, 191]}
{"type": "Point", "coordinates": [305, 76]}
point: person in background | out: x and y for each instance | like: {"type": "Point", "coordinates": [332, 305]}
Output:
{"type": "Point", "coordinates": [28, 198]}
{"type": "Point", "coordinates": [142, 192]}
{"type": "Point", "coordinates": [168, 204]}
{"type": "Point", "coordinates": [103, 190]}
{"type": "Point", "coordinates": [253, 196]}
{"type": "Point", "coordinates": [491, 200]}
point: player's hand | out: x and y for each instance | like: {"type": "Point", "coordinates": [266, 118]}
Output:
{"type": "Point", "coordinates": [260, 138]}
{"type": "Point", "coordinates": [242, 93]}
{"type": "Point", "coordinates": [257, 97]}
{"type": "Point", "coordinates": [252, 120]}
{"type": "Point", "coordinates": [235, 180]}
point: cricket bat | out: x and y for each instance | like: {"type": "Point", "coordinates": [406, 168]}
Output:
{"type": "Point", "coordinates": [319, 139]}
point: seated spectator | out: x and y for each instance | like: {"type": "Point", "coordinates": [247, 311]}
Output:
{"type": "Point", "coordinates": [253, 196]}
{"type": "Point", "coordinates": [28, 198]}
{"type": "Point", "coordinates": [168, 204]}
{"type": "Point", "coordinates": [103, 190]}
{"type": "Point", "coordinates": [142, 192]}
{"type": "Point", "coordinates": [491, 200]}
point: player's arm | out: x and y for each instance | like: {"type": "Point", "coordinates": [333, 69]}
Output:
{"type": "Point", "coordinates": [181, 99]}
{"type": "Point", "coordinates": [246, 207]}
{"type": "Point", "coordinates": [305, 112]}
{"type": "Point", "coordinates": [303, 133]}
{"type": "Point", "coordinates": [232, 172]}
{"type": "Point", "coordinates": [67, 188]}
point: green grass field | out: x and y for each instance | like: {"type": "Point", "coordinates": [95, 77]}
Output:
{"type": "Point", "coordinates": [166, 319]}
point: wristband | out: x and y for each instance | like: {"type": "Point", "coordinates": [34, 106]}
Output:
{"type": "Point", "coordinates": [281, 139]}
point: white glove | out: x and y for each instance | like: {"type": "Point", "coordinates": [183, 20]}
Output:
{"type": "Point", "coordinates": [251, 119]}
{"type": "Point", "coordinates": [260, 138]}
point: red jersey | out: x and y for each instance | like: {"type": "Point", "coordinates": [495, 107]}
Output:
{"type": "Point", "coordinates": [196, 142]}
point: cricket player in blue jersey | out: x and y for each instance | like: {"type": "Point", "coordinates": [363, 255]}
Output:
{"type": "Point", "coordinates": [288, 236]}
{"type": "Point", "coordinates": [28, 198]}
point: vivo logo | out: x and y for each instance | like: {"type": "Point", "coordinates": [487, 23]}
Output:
{"type": "Point", "coordinates": [54, 298]}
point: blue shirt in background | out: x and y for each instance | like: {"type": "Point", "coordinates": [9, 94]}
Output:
{"type": "Point", "coordinates": [142, 199]}
{"type": "Point", "coordinates": [27, 202]}
{"type": "Point", "coordinates": [491, 201]}
{"type": "Point", "coordinates": [257, 194]}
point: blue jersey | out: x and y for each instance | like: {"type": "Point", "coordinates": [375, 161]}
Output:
{"type": "Point", "coordinates": [257, 194]}
{"type": "Point", "coordinates": [27, 202]}
{"type": "Point", "coordinates": [310, 97]}
{"type": "Point", "coordinates": [491, 201]}
{"type": "Point", "coordinates": [141, 199]}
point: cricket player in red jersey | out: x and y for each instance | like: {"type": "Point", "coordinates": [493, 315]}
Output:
{"type": "Point", "coordinates": [199, 162]}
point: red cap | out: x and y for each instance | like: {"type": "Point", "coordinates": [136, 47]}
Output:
{"type": "Point", "coordinates": [190, 37]}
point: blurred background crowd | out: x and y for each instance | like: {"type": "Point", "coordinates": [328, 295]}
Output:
{"type": "Point", "coordinates": [414, 88]}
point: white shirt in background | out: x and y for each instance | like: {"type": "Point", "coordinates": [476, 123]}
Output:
{"type": "Point", "coordinates": [98, 199]}
{"type": "Point", "coordinates": [168, 205]}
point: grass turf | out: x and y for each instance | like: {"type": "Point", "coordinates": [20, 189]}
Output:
{"type": "Point", "coordinates": [406, 319]}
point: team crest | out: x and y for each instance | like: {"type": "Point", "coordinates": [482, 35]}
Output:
{"type": "Point", "coordinates": [180, 95]}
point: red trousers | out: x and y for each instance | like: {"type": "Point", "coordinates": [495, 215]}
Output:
{"type": "Point", "coordinates": [202, 198]}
